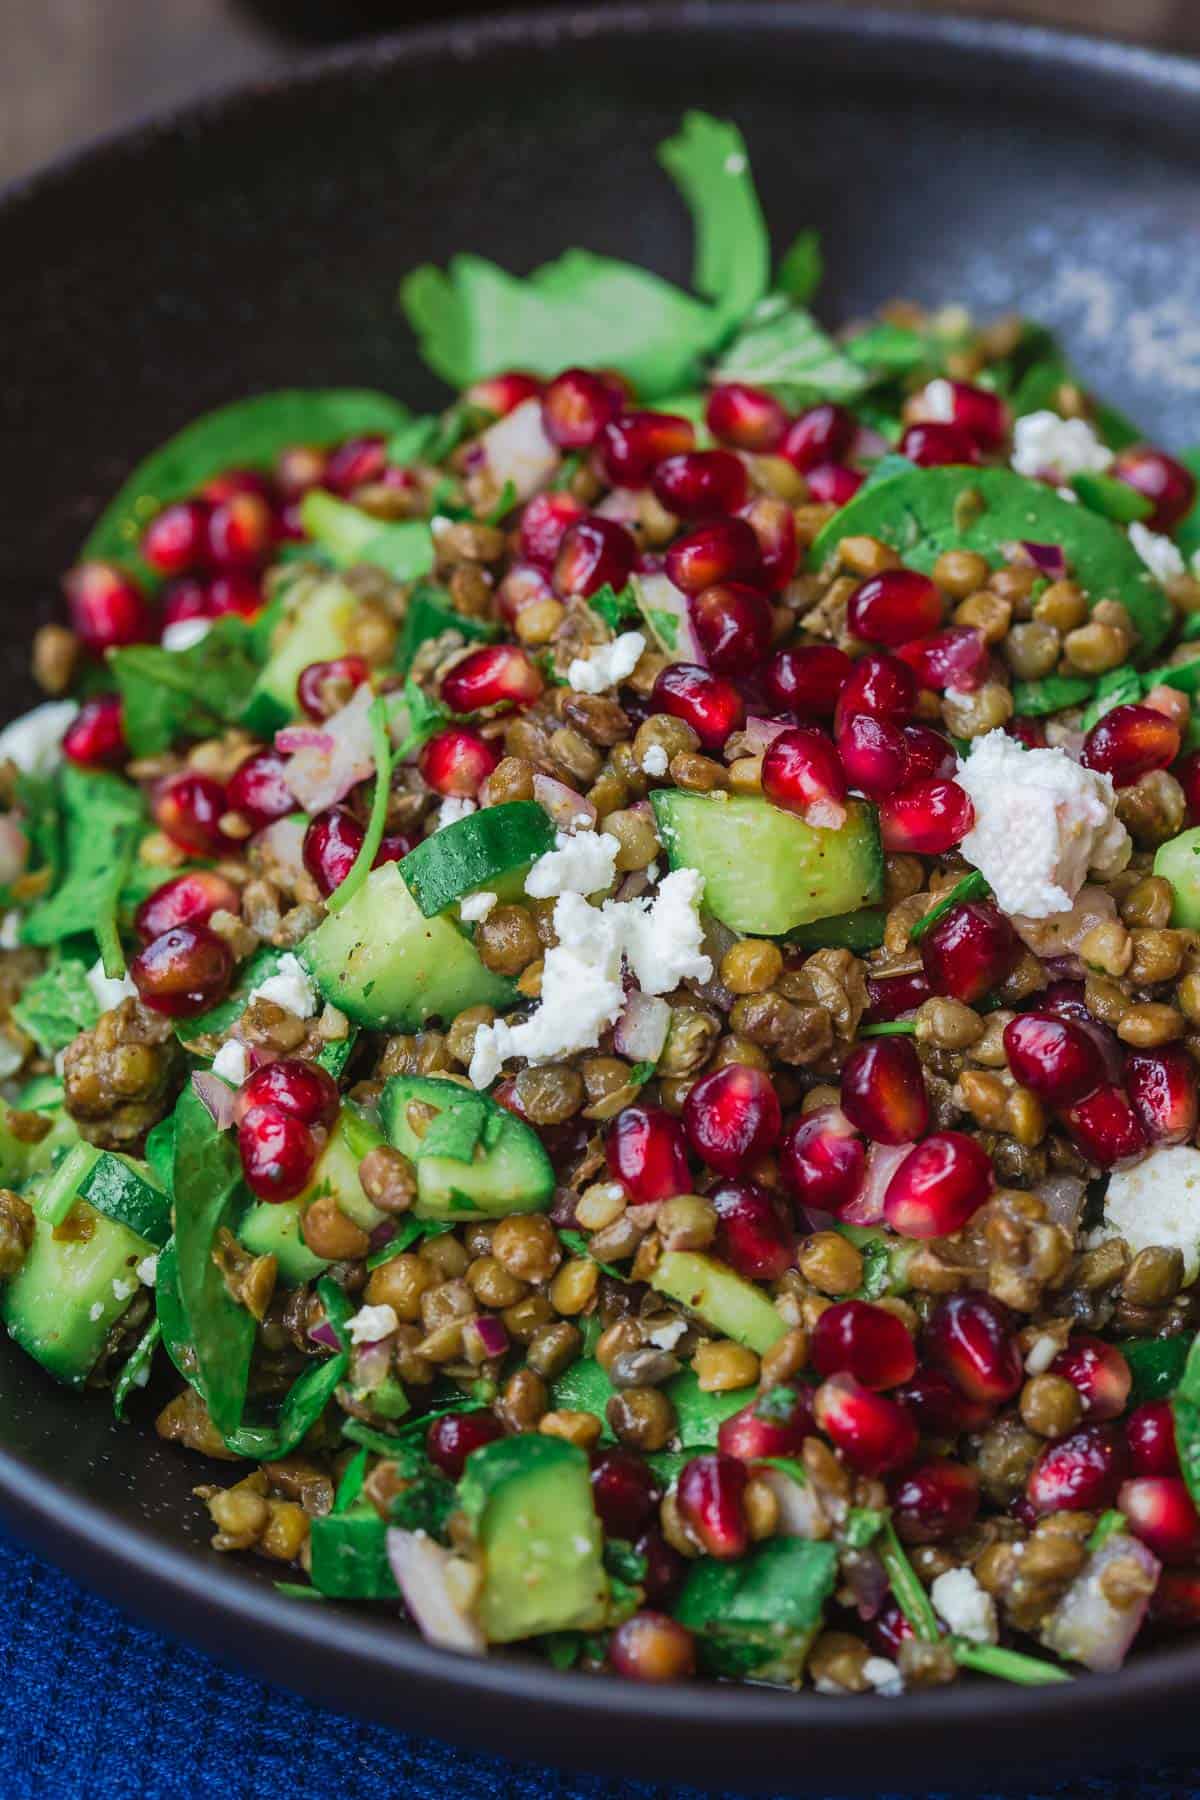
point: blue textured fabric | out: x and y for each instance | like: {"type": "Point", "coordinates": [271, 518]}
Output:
{"type": "Point", "coordinates": [92, 1704]}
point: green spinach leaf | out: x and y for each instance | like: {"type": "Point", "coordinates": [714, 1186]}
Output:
{"type": "Point", "coordinates": [802, 268]}
{"type": "Point", "coordinates": [303, 1405]}
{"type": "Point", "coordinates": [1185, 1404]}
{"type": "Point", "coordinates": [56, 1006]}
{"type": "Point", "coordinates": [171, 694]}
{"type": "Point", "coordinates": [102, 821]}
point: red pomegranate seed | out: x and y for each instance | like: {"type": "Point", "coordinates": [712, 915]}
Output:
{"type": "Point", "coordinates": [188, 807]}
{"type": "Point", "coordinates": [775, 1423]}
{"type": "Point", "coordinates": [734, 626]}
{"type": "Point", "coordinates": [935, 1501]}
{"type": "Point", "coordinates": [941, 1409]}
{"type": "Point", "coordinates": [241, 530]}
{"type": "Point", "coordinates": [822, 1160]}
{"type": "Point", "coordinates": [355, 463]}
{"type": "Point", "coordinates": [545, 522]}
{"type": "Point", "coordinates": [301, 1088]}
{"type": "Point", "coordinates": [1162, 1086]}
{"type": "Point", "coordinates": [721, 550]}
{"type": "Point", "coordinates": [652, 1646]}
{"type": "Point", "coordinates": [635, 442]}
{"type": "Point", "coordinates": [625, 1492]}
{"type": "Point", "coordinates": [894, 606]}
{"type": "Point", "coordinates": [490, 676]}
{"type": "Point", "coordinates": [878, 684]}
{"type": "Point", "coordinates": [325, 687]}
{"type": "Point", "coordinates": [821, 434]}
{"type": "Point", "coordinates": [188, 899]}
{"type": "Point", "coordinates": [106, 607]}
{"type": "Point", "coordinates": [183, 972]}
{"type": "Point", "coordinates": [1187, 774]}
{"type": "Point", "coordinates": [833, 484]}
{"type": "Point", "coordinates": [888, 1630]}
{"type": "Point", "coordinates": [1065, 1000]}
{"type": "Point", "coordinates": [594, 553]}
{"type": "Point", "coordinates": [931, 757]}
{"type": "Point", "coordinates": [450, 1440]}
{"type": "Point", "coordinates": [1030, 732]}
{"type": "Point", "coordinates": [524, 584]}
{"type": "Point", "coordinates": [969, 950]}
{"type": "Point", "coordinates": [931, 445]}
{"type": "Point", "coordinates": [278, 1152]}
{"type": "Point", "coordinates": [747, 417]}
{"type": "Point", "coordinates": [873, 1432]}
{"type": "Point", "coordinates": [802, 773]}
{"type": "Point", "coordinates": [576, 406]}
{"type": "Point", "coordinates": [1129, 742]}
{"type": "Point", "coordinates": [1080, 1473]}
{"type": "Point", "coordinates": [232, 482]}
{"type": "Point", "coordinates": [774, 525]}
{"type": "Point", "coordinates": [1161, 479]}
{"type": "Point", "coordinates": [298, 469]}
{"type": "Point", "coordinates": [753, 1236]}
{"type": "Point", "coordinates": [938, 1186]}
{"type": "Point", "coordinates": [187, 598]}
{"type": "Point", "coordinates": [954, 658]}
{"type": "Point", "coordinates": [710, 1499]}
{"type": "Point", "coordinates": [646, 1152]}
{"type": "Point", "coordinates": [1099, 1372]}
{"type": "Point", "coordinates": [395, 845]}
{"type": "Point", "coordinates": [891, 996]}
{"type": "Point", "coordinates": [1053, 1057]}
{"type": "Point", "coordinates": [1150, 1434]}
{"type": "Point", "coordinates": [177, 539]}
{"type": "Point", "coordinates": [980, 413]}
{"type": "Point", "coordinates": [502, 394]}
{"type": "Point", "coordinates": [699, 482]}
{"type": "Point", "coordinates": [874, 754]}
{"type": "Point", "coordinates": [1105, 1127]}
{"type": "Point", "coordinates": [234, 591]}
{"type": "Point", "coordinates": [926, 819]}
{"type": "Point", "coordinates": [666, 1569]}
{"type": "Point", "coordinates": [970, 1338]}
{"type": "Point", "coordinates": [96, 736]}
{"type": "Point", "coordinates": [883, 1091]}
{"type": "Point", "coordinates": [258, 791]}
{"type": "Point", "coordinates": [331, 845]}
{"type": "Point", "coordinates": [807, 678]}
{"type": "Point", "coordinates": [712, 707]}
{"type": "Point", "coordinates": [732, 1116]}
{"type": "Point", "coordinates": [457, 761]}
{"type": "Point", "coordinates": [852, 1337]}
{"type": "Point", "coordinates": [1160, 1512]}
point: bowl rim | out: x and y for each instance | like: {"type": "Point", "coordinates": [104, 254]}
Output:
{"type": "Point", "coordinates": [136, 1566]}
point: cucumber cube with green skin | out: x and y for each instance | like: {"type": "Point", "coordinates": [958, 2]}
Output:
{"type": "Point", "coordinates": [1178, 861]}
{"type": "Point", "coordinates": [721, 1298]}
{"type": "Point", "coordinates": [73, 1286]}
{"type": "Point", "coordinates": [765, 871]}
{"type": "Point", "coordinates": [317, 634]}
{"type": "Point", "coordinates": [349, 1555]}
{"type": "Point", "coordinates": [474, 1159]}
{"type": "Point", "coordinates": [491, 849]}
{"type": "Point", "coordinates": [125, 1190]}
{"type": "Point", "coordinates": [760, 1615]}
{"type": "Point", "coordinates": [528, 1501]}
{"type": "Point", "coordinates": [270, 1230]}
{"type": "Point", "coordinates": [386, 965]}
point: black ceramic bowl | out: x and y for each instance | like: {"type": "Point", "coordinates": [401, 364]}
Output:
{"type": "Point", "coordinates": [256, 241]}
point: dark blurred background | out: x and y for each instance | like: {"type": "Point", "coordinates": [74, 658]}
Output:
{"type": "Point", "coordinates": [74, 68]}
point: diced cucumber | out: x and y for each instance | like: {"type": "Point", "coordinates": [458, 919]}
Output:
{"type": "Point", "coordinates": [719, 1296]}
{"type": "Point", "coordinates": [858, 931]}
{"type": "Point", "coordinates": [270, 1230]}
{"type": "Point", "coordinates": [490, 849]}
{"type": "Point", "coordinates": [323, 609]}
{"type": "Point", "coordinates": [429, 615]}
{"type": "Point", "coordinates": [474, 1159]}
{"type": "Point", "coordinates": [758, 1616]}
{"type": "Point", "coordinates": [57, 1195]}
{"type": "Point", "coordinates": [349, 1555]}
{"type": "Point", "coordinates": [73, 1286]}
{"type": "Point", "coordinates": [1178, 861]}
{"type": "Point", "coordinates": [386, 965]}
{"type": "Point", "coordinates": [126, 1191]}
{"type": "Point", "coordinates": [765, 871]}
{"type": "Point", "coordinates": [885, 1258]}
{"type": "Point", "coordinates": [348, 536]}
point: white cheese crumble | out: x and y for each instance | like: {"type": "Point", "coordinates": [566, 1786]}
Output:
{"type": "Point", "coordinates": [96, 1311]}
{"type": "Point", "coordinates": [517, 449]}
{"type": "Point", "coordinates": [664, 936]}
{"type": "Point", "coordinates": [665, 1337]}
{"type": "Point", "coordinates": [473, 908]}
{"type": "Point", "coordinates": [655, 760]}
{"type": "Point", "coordinates": [108, 990]}
{"type": "Point", "coordinates": [147, 1271]}
{"type": "Point", "coordinates": [1042, 1353]}
{"type": "Point", "coordinates": [122, 1290]}
{"type": "Point", "coordinates": [370, 1323]}
{"type": "Point", "coordinates": [1157, 1201]}
{"type": "Point", "coordinates": [289, 988]}
{"type": "Point", "coordinates": [1163, 558]}
{"type": "Point", "coordinates": [964, 1606]}
{"type": "Point", "coordinates": [453, 808]}
{"type": "Point", "coordinates": [181, 634]}
{"type": "Point", "coordinates": [34, 741]}
{"type": "Point", "coordinates": [884, 1676]}
{"type": "Point", "coordinates": [232, 1062]}
{"type": "Point", "coordinates": [1045, 444]}
{"type": "Point", "coordinates": [607, 664]}
{"type": "Point", "coordinates": [937, 402]}
{"type": "Point", "coordinates": [583, 864]}
{"type": "Point", "coordinates": [10, 930]}
{"type": "Point", "coordinates": [1041, 822]}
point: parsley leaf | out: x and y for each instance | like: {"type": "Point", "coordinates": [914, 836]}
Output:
{"type": "Point", "coordinates": [102, 818]}
{"type": "Point", "coordinates": [171, 694]}
{"type": "Point", "coordinates": [803, 267]}
{"type": "Point", "coordinates": [707, 161]}
{"type": "Point", "coordinates": [615, 609]}
{"type": "Point", "coordinates": [578, 1245]}
{"type": "Point", "coordinates": [425, 1504]}
{"type": "Point", "coordinates": [782, 346]}
{"type": "Point", "coordinates": [56, 1006]}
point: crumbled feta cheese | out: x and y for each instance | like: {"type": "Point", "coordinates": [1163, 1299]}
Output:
{"type": "Point", "coordinates": [123, 1289]}
{"type": "Point", "coordinates": [665, 1337]}
{"type": "Point", "coordinates": [1045, 444]}
{"type": "Point", "coordinates": [289, 988]}
{"type": "Point", "coordinates": [147, 1271]}
{"type": "Point", "coordinates": [60, 1061]}
{"type": "Point", "coordinates": [583, 864]}
{"type": "Point", "coordinates": [1042, 1353]}
{"type": "Point", "coordinates": [1068, 494]}
{"type": "Point", "coordinates": [453, 808]}
{"type": "Point", "coordinates": [181, 634]}
{"type": "Point", "coordinates": [884, 1676]}
{"type": "Point", "coordinates": [735, 163]}
{"type": "Point", "coordinates": [655, 760]}
{"type": "Point", "coordinates": [10, 930]}
{"type": "Point", "coordinates": [96, 1311]}
{"type": "Point", "coordinates": [232, 1062]}
{"type": "Point", "coordinates": [964, 1606]}
{"type": "Point", "coordinates": [1163, 558]}
{"type": "Point", "coordinates": [607, 665]}
{"type": "Point", "coordinates": [1041, 821]}
{"type": "Point", "coordinates": [937, 402]}
{"type": "Point", "coordinates": [109, 990]}
{"type": "Point", "coordinates": [1157, 1201]}
{"type": "Point", "coordinates": [473, 908]}
{"type": "Point", "coordinates": [370, 1323]}
{"type": "Point", "coordinates": [517, 449]}
{"type": "Point", "coordinates": [664, 940]}
{"type": "Point", "coordinates": [34, 741]}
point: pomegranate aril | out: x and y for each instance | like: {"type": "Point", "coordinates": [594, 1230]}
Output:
{"type": "Point", "coordinates": [935, 1501]}
{"type": "Point", "coordinates": [231, 483]}
{"type": "Point", "coordinates": [774, 525]}
{"type": "Point", "coordinates": [1162, 1087]}
{"type": "Point", "coordinates": [822, 1160]}
{"type": "Point", "coordinates": [633, 443]}
{"type": "Point", "coordinates": [241, 530]}
{"type": "Point", "coordinates": [625, 1492]}
{"type": "Point", "coordinates": [183, 972]}
{"type": "Point", "coordinates": [873, 1432]}
{"type": "Point", "coordinates": [545, 522]}
{"type": "Point", "coordinates": [278, 1153]}
{"type": "Point", "coordinates": [331, 845]}
{"type": "Point", "coordinates": [938, 1186]}
{"type": "Point", "coordinates": [1187, 774]}
{"type": "Point", "coordinates": [1160, 1512]}
{"type": "Point", "coordinates": [852, 1337]}
{"type": "Point", "coordinates": [775, 1423]}
{"type": "Point", "coordinates": [491, 676]}
{"type": "Point", "coordinates": [888, 1630]}
{"type": "Point", "coordinates": [1105, 1127]}
{"type": "Point", "coordinates": [576, 406]}
{"type": "Point", "coordinates": [894, 606]}
{"type": "Point", "coordinates": [188, 807]}
{"type": "Point", "coordinates": [325, 687]}
{"type": "Point", "coordinates": [710, 1500]}
{"type": "Point", "coordinates": [646, 1151]}
{"type": "Point", "coordinates": [652, 1646]}
{"type": "Point", "coordinates": [734, 625]}
{"type": "Point", "coordinates": [807, 678]}
{"type": "Point", "coordinates": [747, 417]}
{"type": "Point", "coordinates": [721, 550]}
{"type": "Point", "coordinates": [753, 1236]}
{"type": "Point", "coordinates": [106, 607]}
{"type": "Point", "coordinates": [1065, 999]}
{"type": "Point", "coordinates": [712, 707]}
{"type": "Point", "coordinates": [732, 1116]}
{"type": "Point", "coordinates": [700, 482]}
{"type": "Point", "coordinates": [177, 539]}
{"type": "Point", "coordinates": [890, 996]}
{"type": "Point", "coordinates": [258, 791]}
{"type": "Point", "coordinates": [954, 658]}
{"type": "Point", "coordinates": [969, 950]}
{"type": "Point", "coordinates": [1100, 1374]}
{"type": "Point", "coordinates": [594, 553]}
{"type": "Point", "coordinates": [933, 445]}
{"type": "Point", "coordinates": [874, 754]}
{"type": "Point", "coordinates": [301, 1088]}
{"type": "Point", "coordinates": [1150, 1434]}
{"type": "Point", "coordinates": [666, 1568]}
{"type": "Point", "coordinates": [393, 846]}
{"type": "Point", "coordinates": [926, 819]}
{"type": "Point", "coordinates": [940, 1408]}
{"type": "Point", "coordinates": [1080, 1473]}
{"type": "Point", "coordinates": [930, 755]}
{"type": "Point", "coordinates": [970, 1338]}
{"type": "Point", "coordinates": [1175, 1602]}
{"type": "Point", "coordinates": [833, 484]}
{"type": "Point", "coordinates": [1030, 732]}
{"type": "Point", "coordinates": [1129, 742]}
{"type": "Point", "coordinates": [878, 684]}
{"type": "Point", "coordinates": [188, 899]}
{"type": "Point", "coordinates": [234, 591]}
{"type": "Point", "coordinates": [96, 736]}
{"type": "Point", "coordinates": [186, 598]}
{"type": "Point", "coordinates": [355, 463]}
{"type": "Point", "coordinates": [298, 469]}
{"type": "Point", "coordinates": [457, 761]}
{"type": "Point", "coordinates": [1053, 1057]}
{"type": "Point", "coordinates": [980, 413]}
{"type": "Point", "coordinates": [502, 394]}
{"type": "Point", "coordinates": [883, 1091]}
{"type": "Point", "coordinates": [801, 772]}
{"type": "Point", "coordinates": [821, 434]}
{"type": "Point", "coordinates": [450, 1440]}
{"type": "Point", "coordinates": [524, 584]}
{"type": "Point", "coordinates": [1159, 478]}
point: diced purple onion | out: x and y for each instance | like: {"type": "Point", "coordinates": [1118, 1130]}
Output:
{"type": "Point", "coordinates": [216, 1097]}
{"type": "Point", "coordinates": [321, 774]}
{"type": "Point", "coordinates": [760, 734]}
{"type": "Point", "coordinates": [324, 1334]}
{"type": "Point", "coordinates": [641, 1031]}
{"type": "Point", "coordinates": [1048, 559]}
{"type": "Point", "coordinates": [566, 808]}
{"type": "Point", "coordinates": [882, 1162]}
{"type": "Point", "coordinates": [493, 1338]}
{"type": "Point", "coordinates": [419, 1566]}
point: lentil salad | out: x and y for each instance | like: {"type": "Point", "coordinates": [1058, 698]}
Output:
{"type": "Point", "coordinates": [653, 1096]}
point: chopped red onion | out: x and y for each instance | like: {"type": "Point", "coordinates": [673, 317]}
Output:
{"type": "Point", "coordinates": [1063, 1198]}
{"type": "Point", "coordinates": [658, 594]}
{"type": "Point", "coordinates": [883, 1160]}
{"type": "Point", "coordinates": [568, 810]}
{"type": "Point", "coordinates": [324, 1334]}
{"type": "Point", "coordinates": [760, 734]}
{"type": "Point", "coordinates": [800, 1513]}
{"type": "Point", "coordinates": [320, 775]}
{"type": "Point", "coordinates": [1085, 1626]}
{"type": "Point", "coordinates": [1047, 559]}
{"type": "Point", "coordinates": [216, 1096]}
{"type": "Point", "coordinates": [641, 1030]}
{"type": "Point", "coordinates": [420, 1567]}
{"type": "Point", "coordinates": [492, 1336]}
{"type": "Point", "coordinates": [293, 738]}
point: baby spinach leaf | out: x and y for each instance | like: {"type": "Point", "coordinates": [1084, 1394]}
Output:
{"type": "Point", "coordinates": [56, 1006]}
{"type": "Point", "coordinates": [1187, 532]}
{"type": "Point", "coordinates": [801, 269]}
{"type": "Point", "coordinates": [1156, 1365]}
{"type": "Point", "coordinates": [350, 536]}
{"type": "Point", "coordinates": [360, 868]}
{"type": "Point", "coordinates": [708, 163]}
{"type": "Point", "coordinates": [782, 346]}
{"type": "Point", "coordinates": [207, 1188]}
{"type": "Point", "coordinates": [1117, 688]}
{"type": "Point", "coordinates": [101, 823]}
{"type": "Point", "coordinates": [1053, 693]}
{"type": "Point", "coordinates": [160, 1149]}
{"type": "Point", "coordinates": [429, 615]}
{"type": "Point", "coordinates": [303, 1405]}
{"type": "Point", "coordinates": [171, 694]}
{"type": "Point", "coordinates": [425, 1504]}
{"type": "Point", "coordinates": [1185, 1405]}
